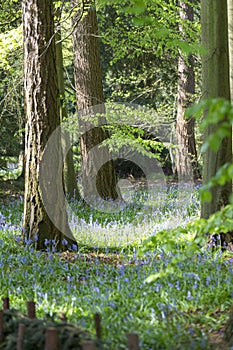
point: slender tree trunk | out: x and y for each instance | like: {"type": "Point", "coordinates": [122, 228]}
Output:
{"type": "Point", "coordinates": [229, 324]}
{"type": "Point", "coordinates": [98, 179]}
{"type": "Point", "coordinates": [215, 72]}
{"type": "Point", "coordinates": [21, 161]}
{"type": "Point", "coordinates": [230, 40]}
{"type": "Point", "coordinates": [70, 183]}
{"type": "Point", "coordinates": [186, 155]}
{"type": "Point", "coordinates": [42, 118]}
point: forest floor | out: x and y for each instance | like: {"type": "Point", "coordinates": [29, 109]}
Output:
{"type": "Point", "coordinates": [15, 188]}
{"type": "Point", "coordinates": [216, 337]}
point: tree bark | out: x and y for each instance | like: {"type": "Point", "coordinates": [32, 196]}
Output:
{"type": "Point", "coordinates": [186, 155]}
{"type": "Point", "coordinates": [98, 173]}
{"type": "Point", "coordinates": [70, 183]}
{"type": "Point", "coordinates": [42, 118]}
{"type": "Point", "coordinates": [215, 75]}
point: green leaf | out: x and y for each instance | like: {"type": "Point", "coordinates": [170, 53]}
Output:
{"type": "Point", "coordinates": [152, 278]}
{"type": "Point", "coordinates": [205, 195]}
{"type": "Point", "coordinates": [196, 110]}
{"type": "Point", "coordinates": [138, 7]}
{"type": "Point", "coordinates": [230, 171]}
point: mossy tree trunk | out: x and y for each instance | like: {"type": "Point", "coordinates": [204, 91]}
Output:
{"type": "Point", "coordinates": [186, 155]}
{"type": "Point", "coordinates": [42, 118]}
{"type": "Point", "coordinates": [90, 99]}
{"type": "Point", "coordinates": [215, 75]}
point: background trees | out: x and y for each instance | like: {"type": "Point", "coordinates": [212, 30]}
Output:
{"type": "Point", "coordinates": [141, 46]}
{"type": "Point", "coordinates": [141, 65]}
{"type": "Point", "coordinates": [148, 53]}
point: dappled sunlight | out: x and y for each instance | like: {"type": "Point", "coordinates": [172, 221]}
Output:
{"type": "Point", "coordinates": [136, 220]}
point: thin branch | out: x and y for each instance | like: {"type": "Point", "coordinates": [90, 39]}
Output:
{"type": "Point", "coordinates": [57, 29]}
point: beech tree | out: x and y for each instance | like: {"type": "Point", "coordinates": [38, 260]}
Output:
{"type": "Point", "coordinates": [98, 175]}
{"type": "Point", "coordinates": [216, 83]}
{"type": "Point", "coordinates": [42, 118]}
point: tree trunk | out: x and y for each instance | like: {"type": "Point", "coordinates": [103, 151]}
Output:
{"type": "Point", "coordinates": [186, 155]}
{"type": "Point", "coordinates": [230, 40]}
{"type": "Point", "coordinates": [98, 173]}
{"type": "Point", "coordinates": [215, 72]}
{"type": "Point", "coordinates": [42, 118]}
{"type": "Point", "coordinates": [70, 183]}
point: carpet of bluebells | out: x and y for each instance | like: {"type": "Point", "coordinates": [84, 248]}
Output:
{"type": "Point", "coordinates": [106, 274]}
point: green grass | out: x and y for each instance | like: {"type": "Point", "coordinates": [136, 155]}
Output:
{"type": "Point", "coordinates": [175, 311]}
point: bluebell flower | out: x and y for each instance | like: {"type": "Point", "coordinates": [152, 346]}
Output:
{"type": "Point", "coordinates": [191, 331]}
{"type": "Point", "coordinates": [70, 278]}
{"type": "Point", "coordinates": [27, 241]}
{"type": "Point", "coordinates": [189, 296]}
{"type": "Point", "coordinates": [96, 289]}
{"type": "Point", "coordinates": [47, 241]}
{"type": "Point", "coordinates": [64, 242]}
{"type": "Point", "coordinates": [178, 285]}
{"type": "Point", "coordinates": [17, 239]}
{"type": "Point", "coordinates": [112, 304]}
{"type": "Point", "coordinates": [74, 247]}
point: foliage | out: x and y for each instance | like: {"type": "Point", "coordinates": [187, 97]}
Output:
{"type": "Point", "coordinates": [219, 116]}
{"type": "Point", "coordinates": [133, 71]}
{"type": "Point", "coordinates": [11, 115]}
{"type": "Point", "coordinates": [10, 15]}
{"type": "Point", "coordinates": [140, 44]}
{"type": "Point", "coordinates": [9, 170]}
{"type": "Point", "coordinates": [190, 239]}
{"type": "Point", "coordinates": [219, 113]}
{"type": "Point", "coordinates": [138, 59]}
{"type": "Point", "coordinates": [138, 129]}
